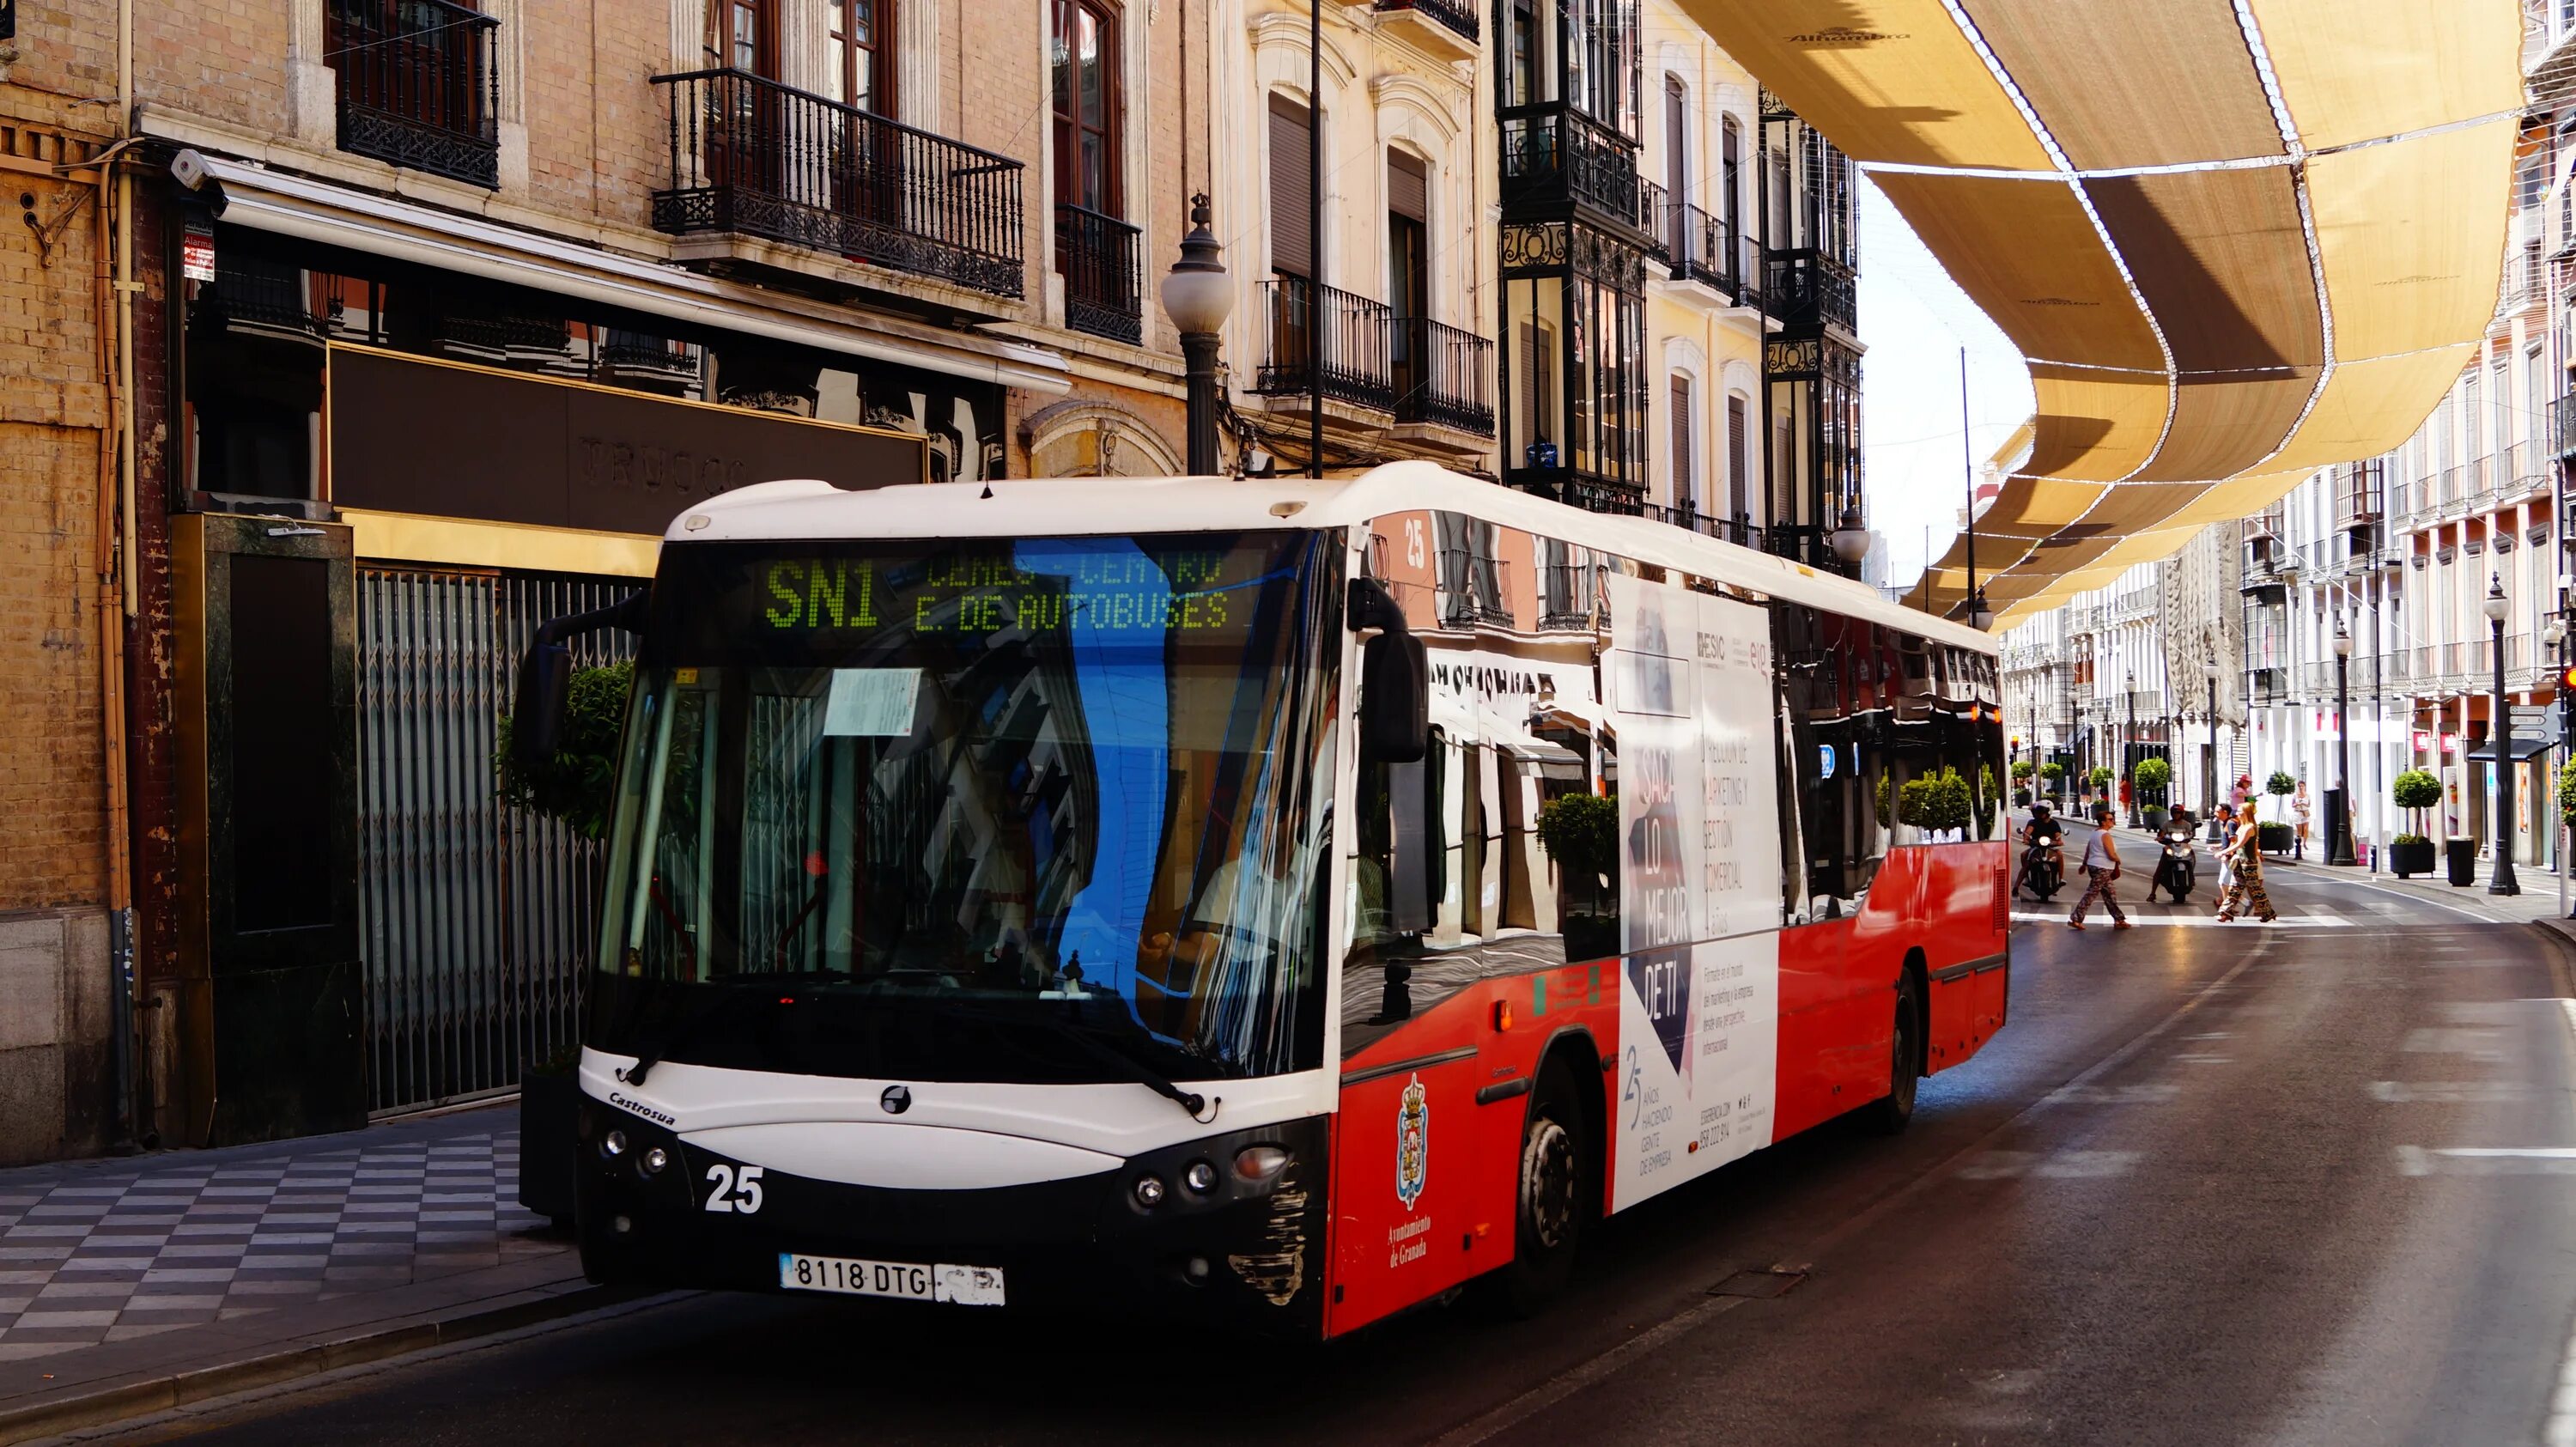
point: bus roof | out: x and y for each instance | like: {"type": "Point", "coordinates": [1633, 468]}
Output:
{"type": "Point", "coordinates": [1069, 507]}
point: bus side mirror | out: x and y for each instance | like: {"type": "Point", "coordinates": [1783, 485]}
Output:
{"type": "Point", "coordinates": [537, 716]}
{"type": "Point", "coordinates": [545, 677]}
{"type": "Point", "coordinates": [1395, 678]}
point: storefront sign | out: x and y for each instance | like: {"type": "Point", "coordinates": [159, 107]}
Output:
{"type": "Point", "coordinates": [414, 436]}
{"type": "Point", "coordinates": [2450, 743]}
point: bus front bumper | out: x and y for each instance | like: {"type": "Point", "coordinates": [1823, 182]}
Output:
{"type": "Point", "coordinates": [1244, 1253]}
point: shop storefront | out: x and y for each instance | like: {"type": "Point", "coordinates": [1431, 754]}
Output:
{"type": "Point", "coordinates": [383, 475]}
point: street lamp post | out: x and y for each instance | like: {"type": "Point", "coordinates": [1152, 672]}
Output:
{"type": "Point", "coordinates": [2553, 637]}
{"type": "Point", "coordinates": [2502, 881]}
{"type": "Point", "coordinates": [2339, 848]}
{"type": "Point", "coordinates": [1197, 294]}
{"type": "Point", "coordinates": [2209, 674]}
{"type": "Point", "coordinates": [2129, 751]}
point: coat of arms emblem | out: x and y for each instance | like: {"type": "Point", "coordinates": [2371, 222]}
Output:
{"type": "Point", "coordinates": [1412, 1143]}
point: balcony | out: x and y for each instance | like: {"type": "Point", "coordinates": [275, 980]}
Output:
{"type": "Point", "coordinates": [417, 85]}
{"type": "Point", "coordinates": [751, 157]}
{"type": "Point", "coordinates": [1698, 247]}
{"type": "Point", "coordinates": [2562, 419]}
{"type": "Point", "coordinates": [1811, 292]}
{"type": "Point", "coordinates": [1737, 530]}
{"type": "Point", "coordinates": [1553, 153]}
{"type": "Point", "coordinates": [1346, 338]}
{"type": "Point", "coordinates": [1104, 286]}
{"type": "Point", "coordinates": [1439, 26]}
{"type": "Point", "coordinates": [1439, 376]}
{"type": "Point", "coordinates": [1653, 201]}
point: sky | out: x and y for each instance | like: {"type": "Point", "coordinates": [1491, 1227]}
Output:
{"type": "Point", "coordinates": [1913, 321]}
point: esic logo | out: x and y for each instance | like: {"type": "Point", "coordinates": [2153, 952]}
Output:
{"type": "Point", "coordinates": [1412, 1144]}
{"type": "Point", "coordinates": [646, 1111]}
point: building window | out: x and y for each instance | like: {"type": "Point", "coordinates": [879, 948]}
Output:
{"type": "Point", "coordinates": [1739, 489]}
{"type": "Point", "coordinates": [745, 35]}
{"type": "Point", "coordinates": [1086, 105]}
{"type": "Point", "coordinates": [1292, 243]}
{"type": "Point", "coordinates": [1685, 456]}
{"type": "Point", "coordinates": [861, 70]}
{"type": "Point", "coordinates": [1730, 179]}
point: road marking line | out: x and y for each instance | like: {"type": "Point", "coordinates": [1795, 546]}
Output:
{"type": "Point", "coordinates": [2204, 1059]}
{"type": "Point", "coordinates": [2487, 1160]}
{"type": "Point", "coordinates": [2289, 921]}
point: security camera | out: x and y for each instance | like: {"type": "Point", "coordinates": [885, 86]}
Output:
{"type": "Point", "coordinates": [189, 169]}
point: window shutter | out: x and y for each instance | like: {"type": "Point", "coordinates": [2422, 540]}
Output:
{"type": "Point", "coordinates": [1292, 244]}
{"type": "Point", "coordinates": [1685, 480]}
{"type": "Point", "coordinates": [1735, 467]}
{"type": "Point", "coordinates": [1408, 187]}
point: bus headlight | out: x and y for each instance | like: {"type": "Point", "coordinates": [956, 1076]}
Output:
{"type": "Point", "coordinates": [1149, 1191]}
{"type": "Point", "coordinates": [613, 1144]}
{"type": "Point", "coordinates": [652, 1161]}
{"type": "Point", "coordinates": [1259, 1164]}
{"type": "Point", "coordinates": [1200, 1178]}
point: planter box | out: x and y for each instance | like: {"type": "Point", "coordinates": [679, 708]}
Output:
{"type": "Point", "coordinates": [2409, 860]}
{"type": "Point", "coordinates": [2275, 838]}
{"type": "Point", "coordinates": [2155, 819]}
{"type": "Point", "coordinates": [549, 1144]}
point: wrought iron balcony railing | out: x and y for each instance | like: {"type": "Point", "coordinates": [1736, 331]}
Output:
{"type": "Point", "coordinates": [1349, 343]}
{"type": "Point", "coordinates": [757, 158]}
{"type": "Point", "coordinates": [1104, 287]}
{"type": "Point", "coordinates": [1810, 291]}
{"type": "Point", "coordinates": [1738, 530]}
{"type": "Point", "coordinates": [1554, 152]}
{"type": "Point", "coordinates": [1653, 204]}
{"type": "Point", "coordinates": [1439, 375]}
{"type": "Point", "coordinates": [2562, 417]}
{"type": "Point", "coordinates": [1699, 246]}
{"type": "Point", "coordinates": [1459, 18]}
{"type": "Point", "coordinates": [417, 85]}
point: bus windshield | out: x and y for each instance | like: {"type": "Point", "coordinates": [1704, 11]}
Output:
{"type": "Point", "coordinates": [1047, 810]}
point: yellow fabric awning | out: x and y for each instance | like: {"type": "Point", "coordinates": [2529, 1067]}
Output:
{"type": "Point", "coordinates": [2237, 242]}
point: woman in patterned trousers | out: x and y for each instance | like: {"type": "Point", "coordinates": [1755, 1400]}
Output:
{"type": "Point", "coordinates": [2245, 857]}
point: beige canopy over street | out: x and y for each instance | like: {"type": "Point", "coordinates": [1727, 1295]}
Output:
{"type": "Point", "coordinates": [2236, 241]}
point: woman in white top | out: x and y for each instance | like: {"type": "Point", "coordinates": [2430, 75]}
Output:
{"type": "Point", "coordinates": [2102, 863]}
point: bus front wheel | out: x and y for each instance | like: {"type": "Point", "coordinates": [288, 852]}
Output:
{"type": "Point", "coordinates": [1552, 1211]}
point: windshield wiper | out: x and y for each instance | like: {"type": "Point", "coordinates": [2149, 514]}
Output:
{"type": "Point", "coordinates": [1093, 1044]}
{"type": "Point", "coordinates": [694, 1028]}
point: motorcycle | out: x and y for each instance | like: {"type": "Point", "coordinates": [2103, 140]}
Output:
{"type": "Point", "coordinates": [2043, 870]}
{"type": "Point", "coordinates": [2175, 871]}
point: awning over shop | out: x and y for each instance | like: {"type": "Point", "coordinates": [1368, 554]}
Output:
{"type": "Point", "coordinates": [292, 205]}
{"type": "Point", "coordinates": [2526, 747]}
{"type": "Point", "coordinates": [2238, 240]}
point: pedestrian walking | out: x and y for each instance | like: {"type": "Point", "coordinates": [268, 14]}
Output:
{"type": "Point", "coordinates": [2102, 866]}
{"type": "Point", "coordinates": [2245, 885]}
{"type": "Point", "coordinates": [2299, 806]}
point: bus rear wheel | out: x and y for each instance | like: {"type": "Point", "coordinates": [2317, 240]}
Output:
{"type": "Point", "coordinates": [1553, 1210]}
{"type": "Point", "coordinates": [1904, 1057]}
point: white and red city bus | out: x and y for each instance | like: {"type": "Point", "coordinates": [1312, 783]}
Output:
{"type": "Point", "coordinates": [1208, 893]}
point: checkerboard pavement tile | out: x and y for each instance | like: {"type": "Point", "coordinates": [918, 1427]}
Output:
{"type": "Point", "coordinates": [179, 1241]}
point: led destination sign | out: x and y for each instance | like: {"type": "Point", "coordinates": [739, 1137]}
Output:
{"type": "Point", "coordinates": [1041, 586]}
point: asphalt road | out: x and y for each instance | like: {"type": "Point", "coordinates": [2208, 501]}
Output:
{"type": "Point", "coordinates": [2212, 1185]}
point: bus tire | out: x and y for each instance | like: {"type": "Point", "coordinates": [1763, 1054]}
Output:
{"type": "Point", "coordinates": [1892, 1111]}
{"type": "Point", "coordinates": [1552, 1209]}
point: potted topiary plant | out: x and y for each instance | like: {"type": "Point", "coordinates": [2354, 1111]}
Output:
{"type": "Point", "coordinates": [2153, 776]}
{"type": "Point", "coordinates": [578, 786]}
{"type": "Point", "coordinates": [2415, 791]}
{"type": "Point", "coordinates": [2054, 773]}
{"type": "Point", "coordinates": [1580, 832]}
{"type": "Point", "coordinates": [2272, 836]}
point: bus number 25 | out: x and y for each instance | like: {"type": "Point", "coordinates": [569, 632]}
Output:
{"type": "Point", "coordinates": [732, 1192]}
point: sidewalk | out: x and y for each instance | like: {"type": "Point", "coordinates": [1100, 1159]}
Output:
{"type": "Point", "coordinates": [130, 1286]}
{"type": "Point", "coordinates": [2538, 901]}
